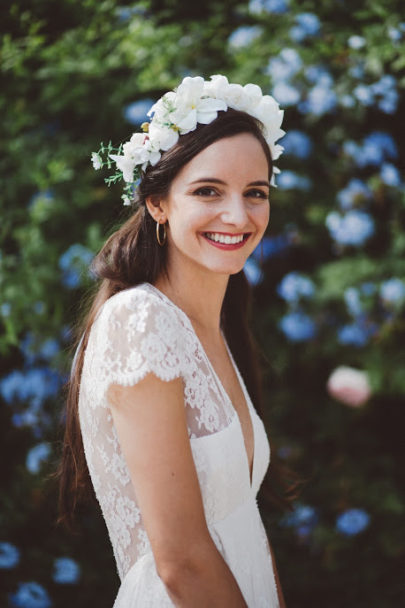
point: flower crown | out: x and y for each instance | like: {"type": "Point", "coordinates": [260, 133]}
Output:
{"type": "Point", "coordinates": [178, 112]}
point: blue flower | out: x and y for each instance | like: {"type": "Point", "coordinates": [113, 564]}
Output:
{"type": "Point", "coordinates": [352, 300]}
{"type": "Point", "coordinates": [386, 93]}
{"type": "Point", "coordinates": [72, 263]}
{"type": "Point", "coordinates": [33, 385]}
{"type": "Point", "coordinates": [394, 34]}
{"type": "Point", "coordinates": [286, 94]}
{"type": "Point", "coordinates": [390, 175]}
{"type": "Point", "coordinates": [30, 595]}
{"type": "Point", "coordinates": [27, 347]}
{"type": "Point", "coordinates": [356, 42]}
{"type": "Point", "coordinates": [136, 112]}
{"type": "Point", "coordinates": [271, 246]}
{"type": "Point", "coordinates": [5, 309]}
{"type": "Point", "coordinates": [286, 65]}
{"type": "Point", "coordinates": [347, 101]}
{"type": "Point", "coordinates": [296, 143]}
{"type": "Point", "coordinates": [352, 521]}
{"type": "Point", "coordinates": [124, 13]}
{"type": "Point", "coordinates": [392, 291]}
{"type": "Point", "coordinates": [288, 180]}
{"type": "Point", "coordinates": [244, 36]}
{"type": "Point", "coordinates": [318, 74]}
{"type": "Point", "coordinates": [36, 456]}
{"type": "Point", "coordinates": [277, 7]}
{"type": "Point", "coordinates": [297, 327]}
{"type": "Point", "coordinates": [295, 286]}
{"type": "Point", "coordinates": [354, 228]}
{"type": "Point", "coordinates": [307, 24]}
{"type": "Point", "coordinates": [39, 307]}
{"type": "Point", "coordinates": [356, 191]}
{"type": "Point", "coordinates": [368, 288]}
{"type": "Point", "coordinates": [46, 196]}
{"type": "Point", "coordinates": [377, 147]}
{"type": "Point", "coordinates": [284, 451]}
{"type": "Point", "coordinates": [9, 556]}
{"type": "Point", "coordinates": [253, 273]}
{"type": "Point", "coordinates": [354, 335]}
{"type": "Point", "coordinates": [321, 99]}
{"type": "Point", "coordinates": [303, 515]}
{"type": "Point", "coordinates": [49, 349]}
{"type": "Point", "coordinates": [364, 94]}
{"type": "Point", "coordinates": [386, 82]}
{"type": "Point", "coordinates": [357, 70]}
{"type": "Point", "coordinates": [388, 104]}
{"type": "Point", "coordinates": [66, 571]}
{"type": "Point", "coordinates": [32, 353]}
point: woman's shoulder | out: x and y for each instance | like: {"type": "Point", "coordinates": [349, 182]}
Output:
{"type": "Point", "coordinates": [144, 305]}
{"type": "Point", "coordinates": [138, 330]}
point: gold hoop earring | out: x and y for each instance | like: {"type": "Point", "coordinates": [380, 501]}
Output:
{"type": "Point", "coordinates": [159, 240]}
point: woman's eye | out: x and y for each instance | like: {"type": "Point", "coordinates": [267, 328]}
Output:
{"type": "Point", "coordinates": [206, 191]}
{"type": "Point", "coordinates": [257, 194]}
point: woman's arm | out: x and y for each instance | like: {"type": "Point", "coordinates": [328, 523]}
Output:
{"type": "Point", "coordinates": [151, 424]}
{"type": "Point", "coordinates": [280, 594]}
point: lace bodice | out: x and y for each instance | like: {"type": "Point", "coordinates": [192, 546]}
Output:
{"type": "Point", "coordinates": [137, 331]}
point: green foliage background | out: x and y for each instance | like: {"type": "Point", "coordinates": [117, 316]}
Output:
{"type": "Point", "coordinates": [68, 70]}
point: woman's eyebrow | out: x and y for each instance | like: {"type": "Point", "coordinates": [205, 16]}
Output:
{"type": "Point", "coordinates": [215, 180]}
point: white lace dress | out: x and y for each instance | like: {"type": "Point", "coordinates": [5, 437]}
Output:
{"type": "Point", "coordinates": [138, 331]}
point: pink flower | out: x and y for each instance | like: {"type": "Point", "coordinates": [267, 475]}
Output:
{"type": "Point", "coordinates": [350, 386]}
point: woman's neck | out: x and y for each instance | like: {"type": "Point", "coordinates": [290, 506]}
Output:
{"type": "Point", "coordinates": [200, 296]}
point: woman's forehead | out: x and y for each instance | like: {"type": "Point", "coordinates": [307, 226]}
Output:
{"type": "Point", "coordinates": [239, 156]}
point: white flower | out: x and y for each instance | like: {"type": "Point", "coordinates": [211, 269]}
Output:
{"type": "Point", "coordinates": [178, 112]}
{"type": "Point", "coordinates": [253, 94]}
{"type": "Point", "coordinates": [126, 165]}
{"type": "Point", "coordinates": [96, 160]}
{"type": "Point", "coordinates": [216, 87]}
{"type": "Point", "coordinates": [134, 153]}
{"type": "Point", "coordinates": [350, 386]}
{"type": "Point", "coordinates": [269, 113]}
{"type": "Point", "coordinates": [135, 149]}
{"type": "Point", "coordinates": [162, 137]}
{"type": "Point", "coordinates": [273, 177]}
{"type": "Point", "coordinates": [192, 107]}
{"type": "Point", "coordinates": [276, 150]}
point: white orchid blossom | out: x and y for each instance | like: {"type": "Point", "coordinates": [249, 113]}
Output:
{"type": "Point", "coordinates": [195, 101]}
{"type": "Point", "coordinates": [96, 160]}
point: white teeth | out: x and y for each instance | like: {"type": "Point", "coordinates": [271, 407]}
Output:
{"type": "Point", "coordinates": [221, 238]}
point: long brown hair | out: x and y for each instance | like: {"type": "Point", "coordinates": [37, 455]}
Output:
{"type": "Point", "coordinates": [131, 256]}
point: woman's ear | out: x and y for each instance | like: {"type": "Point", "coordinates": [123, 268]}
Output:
{"type": "Point", "coordinates": [156, 208]}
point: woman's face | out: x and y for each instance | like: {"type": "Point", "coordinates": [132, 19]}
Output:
{"type": "Point", "coordinates": [218, 207]}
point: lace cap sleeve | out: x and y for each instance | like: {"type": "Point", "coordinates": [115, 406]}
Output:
{"type": "Point", "coordinates": [135, 333]}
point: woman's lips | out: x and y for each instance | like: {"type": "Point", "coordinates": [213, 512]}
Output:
{"type": "Point", "coordinates": [228, 246]}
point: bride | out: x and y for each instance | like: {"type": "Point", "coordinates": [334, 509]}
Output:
{"type": "Point", "coordinates": [161, 409]}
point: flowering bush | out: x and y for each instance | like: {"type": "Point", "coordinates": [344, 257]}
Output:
{"type": "Point", "coordinates": [328, 279]}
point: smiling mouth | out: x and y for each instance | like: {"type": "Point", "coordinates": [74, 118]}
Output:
{"type": "Point", "coordinates": [226, 241]}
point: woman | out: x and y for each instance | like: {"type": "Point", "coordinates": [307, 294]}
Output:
{"type": "Point", "coordinates": [175, 449]}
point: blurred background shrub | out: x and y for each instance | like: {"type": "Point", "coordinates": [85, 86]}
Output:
{"type": "Point", "coordinates": [329, 290]}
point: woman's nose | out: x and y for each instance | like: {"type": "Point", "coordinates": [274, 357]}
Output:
{"type": "Point", "coordinates": [234, 211]}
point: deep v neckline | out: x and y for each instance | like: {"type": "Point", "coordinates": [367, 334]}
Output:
{"type": "Point", "coordinates": [220, 384]}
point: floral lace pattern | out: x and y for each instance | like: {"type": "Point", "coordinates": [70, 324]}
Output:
{"type": "Point", "coordinates": [138, 331]}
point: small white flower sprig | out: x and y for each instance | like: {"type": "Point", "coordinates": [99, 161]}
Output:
{"type": "Point", "coordinates": [178, 112]}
